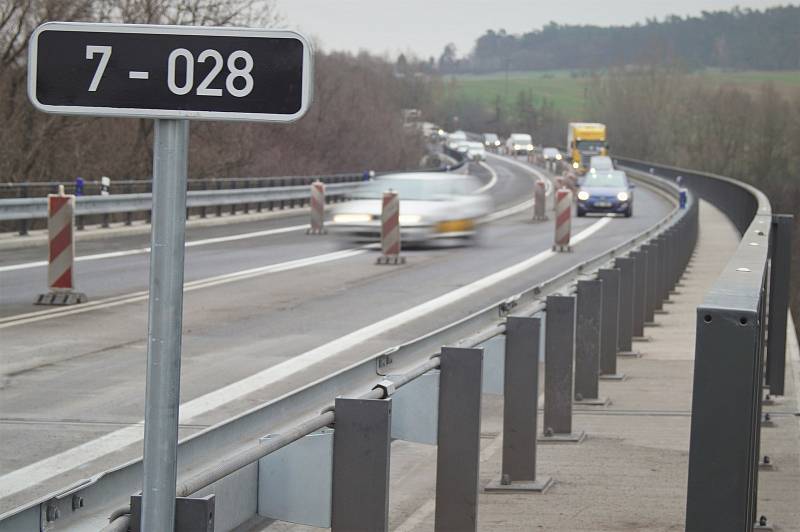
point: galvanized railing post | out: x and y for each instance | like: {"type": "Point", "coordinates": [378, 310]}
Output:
{"type": "Point", "coordinates": [459, 431]}
{"type": "Point", "coordinates": [610, 324]}
{"type": "Point", "coordinates": [652, 282]}
{"type": "Point", "coordinates": [520, 408]}
{"type": "Point", "coordinates": [232, 186]}
{"type": "Point", "coordinates": [639, 292]}
{"type": "Point", "coordinates": [588, 339]}
{"type": "Point", "coordinates": [23, 224]}
{"type": "Point", "coordinates": [627, 269]}
{"type": "Point", "coordinates": [559, 359]}
{"type": "Point", "coordinates": [779, 282]}
{"type": "Point", "coordinates": [361, 454]}
{"type": "Point", "coordinates": [219, 207]}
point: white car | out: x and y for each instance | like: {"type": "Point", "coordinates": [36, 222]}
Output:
{"type": "Point", "coordinates": [519, 144]}
{"type": "Point", "coordinates": [476, 151]}
{"type": "Point", "coordinates": [601, 163]}
{"type": "Point", "coordinates": [551, 154]}
{"type": "Point", "coordinates": [433, 205]}
{"type": "Point", "coordinates": [454, 138]}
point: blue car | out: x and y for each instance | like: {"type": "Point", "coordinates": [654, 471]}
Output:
{"type": "Point", "coordinates": [605, 191]}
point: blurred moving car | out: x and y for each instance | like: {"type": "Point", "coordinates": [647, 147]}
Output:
{"type": "Point", "coordinates": [433, 205]}
{"type": "Point", "coordinates": [605, 192]}
{"type": "Point", "coordinates": [601, 163]}
{"type": "Point", "coordinates": [519, 144]}
{"type": "Point", "coordinates": [476, 151]}
{"type": "Point", "coordinates": [491, 141]}
{"type": "Point", "coordinates": [454, 138]}
{"type": "Point", "coordinates": [551, 154]}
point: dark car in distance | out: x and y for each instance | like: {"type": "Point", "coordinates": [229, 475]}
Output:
{"type": "Point", "coordinates": [605, 191]}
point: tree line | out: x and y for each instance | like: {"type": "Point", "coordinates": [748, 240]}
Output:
{"type": "Point", "coordinates": [354, 124]}
{"type": "Point", "coordinates": [735, 39]}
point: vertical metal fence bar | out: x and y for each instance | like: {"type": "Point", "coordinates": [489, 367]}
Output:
{"type": "Point", "coordinates": [626, 302]}
{"type": "Point", "coordinates": [725, 406]}
{"type": "Point", "coordinates": [361, 454]}
{"type": "Point", "coordinates": [520, 407]}
{"type": "Point", "coordinates": [458, 452]}
{"type": "Point", "coordinates": [610, 323]}
{"type": "Point", "coordinates": [588, 338]}
{"type": "Point", "coordinates": [652, 282]}
{"type": "Point", "coordinates": [779, 279]}
{"type": "Point", "coordinates": [639, 292]}
{"type": "Point", "coordinates": [559, 341]}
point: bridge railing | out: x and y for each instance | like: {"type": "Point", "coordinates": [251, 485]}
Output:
{"type": "Point", "coordinates": [741, 322]}
{"type": "Point", "coordinates": [338, 449]}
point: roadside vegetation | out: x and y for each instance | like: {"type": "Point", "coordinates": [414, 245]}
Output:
{"type": "Point", "coordinates": [354, 124]}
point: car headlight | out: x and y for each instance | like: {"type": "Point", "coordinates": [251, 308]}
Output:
{"type": "Point", "coordinates": [351, 218]}
{"type": "Point", "coordinates": [622, 196]}
{"type": "Point", "coordinates": [558, 156]}
{"type": "Point", "coordinates": [497, 143]}
{"type": "Point", "coordinates": [517, 146]}
{"type": "Point", "coordinates": [583, 195]}
{"type": "Point", "coordinates": [530, 146]}
{"type": "Point", "coordinates": [410, 219]}
{"type": "Point", "coordinates": [576, 165]}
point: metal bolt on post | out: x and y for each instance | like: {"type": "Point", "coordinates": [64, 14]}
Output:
{"type": "Point", "coordinates": [164, 324]}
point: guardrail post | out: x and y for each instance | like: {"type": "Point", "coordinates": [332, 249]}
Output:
{"type": "Point", "coordinates": [520, 408]}
{"type": "Point", "coordinates": [458, 452]}
{"type": "Point", "coordinates": [219, 207]}
{"type": "Point", "coordinates": [610, 324]}
{"type": "Point", "coordinates": [203, 208]}
{"type": "Point", "coordinates": [726, 406]}
{"type": "Point", "coordinates": [361, 453]}
{"type": "Point", "coordinates": [627, 268]}
{"type": "Point", "coordinates": [661, 273]}
{"type": "Point", "coordinates": [259, 184]}
{"type": "Point", "coordinates": [23, 224]}
{"type": "Point", "coordinates": [232, 187]}
{"type": "Point", "coordinates": [559, 355]}
{"type": "Point", "coordinates": [639, 292]}
{"type": "Point", "coordinates": [779, 279]}
{"type": "Point", "coordinates": [588, 328]}
{"type": "Point", "coordinates": [129, 214]}
{"type": "Point", "coordinates": [652, 283]}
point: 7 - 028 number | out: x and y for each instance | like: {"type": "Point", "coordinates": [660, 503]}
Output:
{"type": "Point", "coordinates": [238, 82]}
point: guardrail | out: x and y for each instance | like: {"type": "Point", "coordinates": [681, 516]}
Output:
{"type": "Point", "coordinates": [225, 459]}
{"type": "Point", "coordinates": [29, 203]}
{"type": "Point", "coordinates": [747, 303]}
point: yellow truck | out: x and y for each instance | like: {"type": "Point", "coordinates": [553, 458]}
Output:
{"type": "Point", "coordinates": [584, 140]}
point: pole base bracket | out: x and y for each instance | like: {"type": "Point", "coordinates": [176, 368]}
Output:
{"type": "Point", "coordinates": [394, 259]}
{"type": "Point", "coordinates": [572, 437]}
{"type": "Point", "coordinates": [516, 486]}
{"type": "Point", "coordinates": [629, 354]}
{"type": "Point", "coordinates": [591, 402]}
{"type": "Point", "coordinates": [612, 377]}
{"type": "Point", "coordinates": [61, 299]}
{"type": "Point", "coordinates": [191, 514]}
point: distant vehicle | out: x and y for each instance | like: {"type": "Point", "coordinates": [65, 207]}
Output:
{"type": "Point", "coordinates": [433, 205]}
{"type": "Point", "coordinates": [601, 163]}
{"type": "Point", "coordinates": [605, 192]}
{"type": "Point", "coordinates": [551, 154]}
{"type": "Point", "coordinates": [491, 141]}
{"type": "Point", "coordinates": [476, 151]}
{"type": "Point", "coordinates": [455, 137]}
{"type": "Point", "coordinates": [519, 144]}
{"type": "Point", "coordinates": [462, 146]}
{"type": "Point", "coordinates": [585, 140]}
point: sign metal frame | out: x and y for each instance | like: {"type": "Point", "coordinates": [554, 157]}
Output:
{"type": "Point", "coordinates": [307, 91]}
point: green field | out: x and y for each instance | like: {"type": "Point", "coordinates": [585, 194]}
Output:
{"type": "Point", "coordinates": [566, 89]}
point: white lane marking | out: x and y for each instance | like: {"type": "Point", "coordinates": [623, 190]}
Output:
{"type": "Point", "coordinates": [31, 317]}
{"type": "Point", "coordinates": [492, 182]}
{"type": "Point", "coordinates": [139, 251]}
{"type": "Point", "coordinates": [75, 457]}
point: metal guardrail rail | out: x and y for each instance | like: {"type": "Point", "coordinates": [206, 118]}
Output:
{"type": "Point", "coordinates": [741, 335]}
{"type": "Point", "coordinates": [216, 458]}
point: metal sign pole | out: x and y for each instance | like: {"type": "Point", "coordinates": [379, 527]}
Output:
{"type": "Point", "coordinates": [164, 324]}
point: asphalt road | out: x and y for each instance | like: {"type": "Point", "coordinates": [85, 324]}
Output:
{"type": "Point", "coordinates": [72, 382]}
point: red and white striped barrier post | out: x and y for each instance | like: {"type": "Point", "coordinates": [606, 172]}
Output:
{"type": "Point", "coordinates": [563, 219]}
{"type": "Point", "coordinates": [317, 209]}
{"type": "Point", "coordinates": [539, 201]}
{"type": "Point", "coordinates": [390, 229]}
{"type": "Point", "coordinates": [60, 228]}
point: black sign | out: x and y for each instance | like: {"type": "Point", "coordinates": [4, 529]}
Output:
{"type": "Point", "coordinates": [169, 72]}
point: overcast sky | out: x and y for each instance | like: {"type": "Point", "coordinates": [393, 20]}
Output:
{"type": "Point", "coordinates": [426, 26]}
